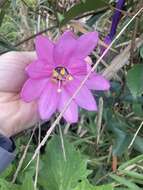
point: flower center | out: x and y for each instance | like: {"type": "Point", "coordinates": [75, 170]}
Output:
{"type": "Point", "coordinates": [61, 76]}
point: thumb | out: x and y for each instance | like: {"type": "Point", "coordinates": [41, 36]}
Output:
{"type": "Point", "coordinates": [12, 70]}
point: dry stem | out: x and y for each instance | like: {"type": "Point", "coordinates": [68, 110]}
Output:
{"type": "Point", "coordinates": [23, 157]}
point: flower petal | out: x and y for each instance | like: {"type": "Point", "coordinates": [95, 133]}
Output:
{"type": "Point", "coordinates": [71, 114]}
{"type": "Point", "coordinates": [32, 89]}
{"type": "Point", "coordinates": [97, 82]}
{"type": "Point", "coordinates": [64, 48]}
{"type": "Point", "coordinates": [77, 67]}
{"type": "Point", "coordinates": [38, 69]}
{"type": "Point", "coordinates": [84, 98]}
{"type": "Point", "coordinates": [85, 44]}
{"type": "Point", "coordinates": [44, 48]}
{"type": "Point", "coordinates": [48, 101]}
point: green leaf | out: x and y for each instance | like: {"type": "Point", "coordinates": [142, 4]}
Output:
{"type": "Point", "coordinates": [137, 108]}
{"type": "Point", "coordinates": [27, 183]}
{"type": "Point", "coordinates": [133, 174]}
{"type": "Point", "coordinates": [6, 44]}
{"type": "Point", "coordinates": [4, 185]}
{"type": "Point", "coordinates": [85, 185]}
{"type": "Point", "coordinates": [83, 7]}
{"type": "Point", "coordinates": [2, 14]}
{"type": "Point", "coordinates": [125, 182]}
{"type": "Point", "coordinates": [122, 138]}
{"type": "Point", "coordinates": [61, 174]}
{"type": "Point", "coordinates": [134, 80]}
{"type": "Point", "coordinates": [60, 17]}
{"type": "Point", "coordinates": [121, 142]}
{"type": "Point", "coordinates": [104, 187]}
{"type": "Point", "coordinates": [138, 144]}
{"type": "Point", "coordinates": [3, 11]}
{"type": "Point", "coordinates": [131, 162]}
{"type": "Point", "coordinates": [7, 172]}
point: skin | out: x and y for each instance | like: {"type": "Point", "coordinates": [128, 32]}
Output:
{"type": "Point", "coordinates": [15, 114]}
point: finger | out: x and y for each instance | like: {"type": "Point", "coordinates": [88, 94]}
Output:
{"type": "Point", "coordinates": [16, 115]}
{"type": "Point", "coordinates": [12, 70]}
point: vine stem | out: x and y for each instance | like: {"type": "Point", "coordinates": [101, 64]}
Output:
{"type": "Point", "coordinates": [79, 88]}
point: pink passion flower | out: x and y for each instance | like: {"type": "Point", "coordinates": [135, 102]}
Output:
{"type": "Point", "coordinates": [57, 73]}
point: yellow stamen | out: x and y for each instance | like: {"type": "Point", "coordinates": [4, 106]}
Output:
{"type": "Point", "coordinates": [55, 73]}
{"type": "Point", "coordinates": [59, 77]}
{"type": "Point", "coordinates": [62, 72]}
{"type": "Point", "coordinates": [70, 77]}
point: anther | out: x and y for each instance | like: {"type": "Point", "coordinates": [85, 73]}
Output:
{"type": "Point", "coordinates": [62, 72]}
{"type": "Point", "coordinates": [55, 73]}
{"type": "Point", "coordinates": [70, 77]}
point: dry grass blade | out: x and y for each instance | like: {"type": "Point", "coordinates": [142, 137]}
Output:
{"type": "Point", "coordinates": [23, 157]}
{"type": "Point", "coordinates": [99, 118]}
{"type": "Point", "coordinates": [135, 135]}
{"type": "Point", "coordinates": [121, 60]}
{"type": "Point", "coordinates": [77, 91]}
{"type": "Point", "coordinates": [62, 143]}
{"type": "Point", "coordinates": [38, 159]}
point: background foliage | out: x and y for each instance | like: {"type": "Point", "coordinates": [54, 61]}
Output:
{"type": "Point", "coordinates": [103, 151]}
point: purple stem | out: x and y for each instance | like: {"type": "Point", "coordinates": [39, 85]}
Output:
{"type": "Point", "coordinates": [116, 18]}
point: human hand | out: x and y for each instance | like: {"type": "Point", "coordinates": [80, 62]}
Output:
{"type": "Point", "coordinates": [15, 115]}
